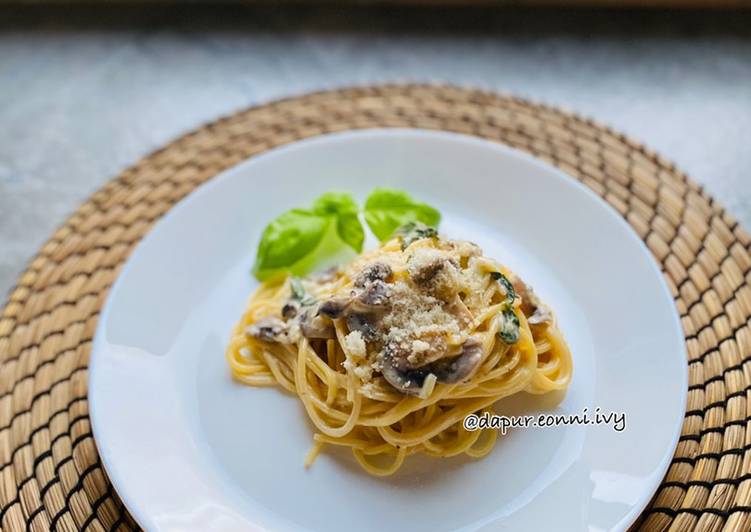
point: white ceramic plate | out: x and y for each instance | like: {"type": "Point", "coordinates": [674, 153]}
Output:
{"type": "Point", "coordinates": [189, 449]}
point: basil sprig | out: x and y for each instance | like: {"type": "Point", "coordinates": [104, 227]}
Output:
{"type": "Point", "coordinates": [299, 239]}
{"type": "Point", "coordinates": [296, 239]}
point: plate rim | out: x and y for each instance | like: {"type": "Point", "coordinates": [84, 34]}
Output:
{"type": "Point", "coordinates": [98, 343]}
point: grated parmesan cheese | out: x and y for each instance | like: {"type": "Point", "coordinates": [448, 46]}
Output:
{"type": "Point", "coordinates": [420, 346]}
{"type": "Point", "coordinates": [355, 344]}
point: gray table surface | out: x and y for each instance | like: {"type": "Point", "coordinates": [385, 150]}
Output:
{"type": "Point", "coordinates": [85, 93]}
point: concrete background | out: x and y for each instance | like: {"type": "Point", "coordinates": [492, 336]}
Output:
{"type": "Point", "coordinates": [85, 92]}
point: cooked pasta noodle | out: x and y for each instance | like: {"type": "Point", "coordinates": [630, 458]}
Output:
{"type": "Point", "coordinates": [389, 354]}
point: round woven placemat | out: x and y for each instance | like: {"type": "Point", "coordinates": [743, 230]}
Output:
{"type": "Point", "coordinates": [51, 476]}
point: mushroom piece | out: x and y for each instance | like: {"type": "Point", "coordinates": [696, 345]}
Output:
{"type": "Point", "coordinates": [542, 314]}
{"type": "Point", "coordinates": [410, 381]}
{"type": "Point", "coordinates": [417, 353]}
{"type": "Point", "coordinates": [531, 305]}
{"type": "Point", "coordinates": [397, 371]}
{"type": "Point", "coordinates": [397, 354]}
{"type": "Point", "coordinates": [360, 310]}
{"type": "Point", "coordinates": [377, 271]}
{"type": "Point", "coordinates": [407, 382]}
{"type": "Point", "coordinates": [334, 308]}
{"type": "Point", "coordinates": [314, 326]}
{"type": "Point", "coordinates": [268, 330]}
{"type": "Point", "coordinates": [290, 309]}
{"type": "Point", "coordinates": [424, 267]}
{"type": "Point", "coordinates": [461, 367]}
{"type": "Point", "coordinates": [434, 271]}
{"type": "Point", "coordinates": [299, 298]}
{"type": "Point", "coordinates": [374, 296]}
{"type": "Point", "coordinates": [373, 299]}
{"type": "Point", "coordinates": [362, 323]}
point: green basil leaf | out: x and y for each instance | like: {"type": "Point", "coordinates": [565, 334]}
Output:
{"type": "Point", "coordinates": [335, 203]}
{"type": "Point", "coordinates": [387, 209]}
{"type": "Point", "coordinates": [350, 230]}
{"type": "Point", "coordinates": [507, 285]}
{"type": "Point", "coordinates": [348, 225]}
{"type": "Point", "coordinates": [287, 239]}
{"type": "Point", "coordinates": [509, 329]}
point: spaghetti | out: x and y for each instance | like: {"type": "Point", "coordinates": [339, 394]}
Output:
{"type": "Point", "coordinates": [389, 354]}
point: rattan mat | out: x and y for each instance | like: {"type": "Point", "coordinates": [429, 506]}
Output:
{"type": "Point", "coordinates": [51, 476]}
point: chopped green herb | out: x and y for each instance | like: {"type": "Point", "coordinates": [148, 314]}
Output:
{"type": "Point", "coordinates": [413, 231]}
{"type": "Point", "coordinates": [299, 293]}
{"type": "Point", "coordinates": [507, 285]}
{"type": "Point", "coordinates": [509, 330]}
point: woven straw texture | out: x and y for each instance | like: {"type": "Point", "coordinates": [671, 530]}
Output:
{"type": "Point", "coordinates": [51, 476]}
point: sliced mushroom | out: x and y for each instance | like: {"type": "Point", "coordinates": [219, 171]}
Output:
{"type": "Point", "coordinates": [299, 298]}
{"type": "Point", "coordinates": [361, 311]}
{"type": "Point", "coordinates": [334, 308]}
{"type": "Point", "coordinates": [377, 271]}
{"type": "Point", "coordinates": [417, 353]}
{"type": "Point", "coordinates": [268, 330]}
{"type": "Point", "coordinates": [435, 272]}
{"type": "Point", "coordinates": [373, 297]}
{"type": "Point", "coordinates": [424, 267]}
{"type": "Point", "coordinates": [364, 324]}
{"type": "Point", "coordinates": [290, 309]}
{"type": "Point", "coordinates": [460, 368]}
{"type": "Point", "coordinates": [397, 353]}
{"type": "Point", "coordinates": [314, 326]}
{"type": "Point", "coordinates": [410, 381]}
{"type": "Point", "coordinates": [407, 382]}
{"type": "Point", "coordinates": [542, 314]}
{"type": "Point", "coordinates": [521, 288]}
{"type": "Point", "coordinates": [366, 303]}
{"type": "Point", "coordinates": [531, 305]}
